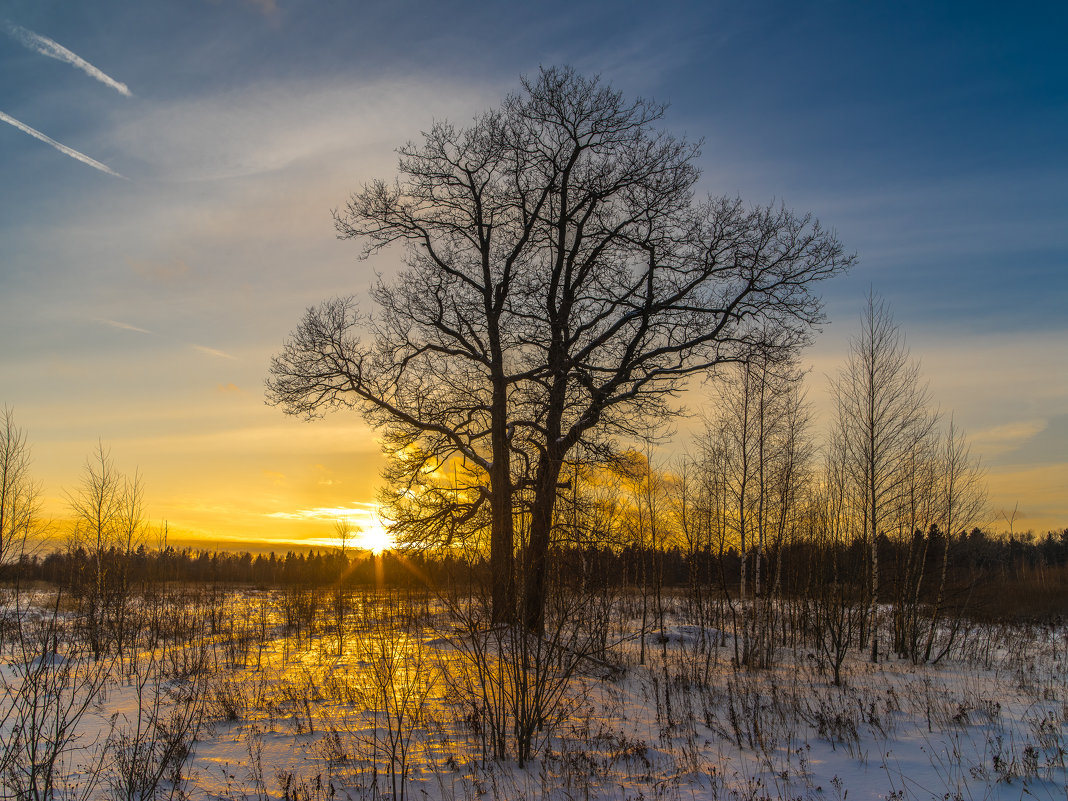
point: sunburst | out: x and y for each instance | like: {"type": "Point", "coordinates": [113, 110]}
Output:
{"type": "Point", "coordinates": [374, 537]}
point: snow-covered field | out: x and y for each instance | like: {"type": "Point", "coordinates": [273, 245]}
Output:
{"type": "Point", "coordinates": [254, 695]}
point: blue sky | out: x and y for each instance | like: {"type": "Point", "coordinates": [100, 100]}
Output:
{"type": "Point", "coordinates": [142, 310]}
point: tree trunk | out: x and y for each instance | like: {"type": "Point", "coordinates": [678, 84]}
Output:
{"type": "Point", "coordinates": [538, 547]}
{"type": "Point", "coordinates": [502, 568]}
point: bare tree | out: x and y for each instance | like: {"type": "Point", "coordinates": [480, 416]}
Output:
{"type": "Point", "coordinates": [762, 423]}
{"type": "Point", "coordinates": [835, 598]}
{"type": "Point", "coordinates": [108, 512]}
{"type": "Point", "coordinates": [882, 412]}
{"type": "Point", "coordinates": [46, 686]}
{"type": "Point", "coordinates": [962, 497]}
{"type": "Point", "coordinates": [343, 533]}
{"type": "Point", "coordinates": [786, 481]}
{"type": "Point", "coordinates": [917, 521]}
{"type": "Point", "coordinates": [562, 284]}
{"type": "Point", "coordinates": [646, 527]}
{"type": "Point", "coordinates": [19, 494]}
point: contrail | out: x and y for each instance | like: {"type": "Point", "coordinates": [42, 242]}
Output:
{"type": "Point", "coordinates": [213, 352]}
{"type": "Point", "coordinates": [47, 47]}
{"type": "Point", "coordinates": [123, 326]}
{"type": "Point", "coordinates": [74, 154]}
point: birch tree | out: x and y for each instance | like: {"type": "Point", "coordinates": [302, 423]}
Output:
{"type": "Point", "coordinates": [882, 412]}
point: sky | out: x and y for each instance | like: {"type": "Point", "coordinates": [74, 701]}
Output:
{"type": "Point", "coordinates": [168, 171]}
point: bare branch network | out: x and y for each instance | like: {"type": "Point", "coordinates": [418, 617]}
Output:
{"type": "Point", "coordinates": [561, 284]}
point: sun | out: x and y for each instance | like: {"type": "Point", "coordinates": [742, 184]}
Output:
{"type": "Point", "coordinates": [358, 526]}
{"type": "Point", "coordinates": [374, 537]}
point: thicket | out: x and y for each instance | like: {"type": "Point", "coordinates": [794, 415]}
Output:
{"type": "Point", "coordinates": [991, 576]}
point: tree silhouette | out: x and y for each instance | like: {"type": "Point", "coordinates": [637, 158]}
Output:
{"type": "Point", "coordinates": [562, 283]}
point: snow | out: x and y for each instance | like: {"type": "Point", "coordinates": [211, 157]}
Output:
{"type": "Point", "coordinates": [281, 714]}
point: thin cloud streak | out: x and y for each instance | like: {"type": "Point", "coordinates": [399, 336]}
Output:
{"type": "Point", "coordinates": [1007, 437]}
{"type": "Point", "coordinates": [69, 151]}
{"type": "Point", "coordinates": [356, 509]}
{"type": "Point", "coordinates": [52, 49]}
{"type": "Point", "coordinates": [213, 352]}
{"type": "Point", "coordinates": [124, 326]}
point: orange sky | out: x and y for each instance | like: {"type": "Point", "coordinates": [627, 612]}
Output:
{"type": "Point", "coordinates": [222, 468]}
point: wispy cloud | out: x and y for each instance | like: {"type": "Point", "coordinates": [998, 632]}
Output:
{"type": "Point", "coordinates": [69, 151]}
{"type": "Point", "coordinates": [301, 127]}
{"type": "Point", "coordinates": [213, 352]}
{"type": "Point", "coordinates": [52, 49]}
{"type": "Point", "coordinates": [356, 510]}
{"type": "Point", "coordinates": [123, 326]}
{"type": "Point", "coordinates": [1006, 437]}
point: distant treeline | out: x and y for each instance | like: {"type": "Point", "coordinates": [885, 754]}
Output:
{"type": "Point", "coordinates": [993, 575]}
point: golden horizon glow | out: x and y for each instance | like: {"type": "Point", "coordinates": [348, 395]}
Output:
{"type": "Point", "coordinates": [225, 472]}
{"type": "Point", "coordinates": [376, 538]}
{"type": "Point", "coordinates": [359, 525]}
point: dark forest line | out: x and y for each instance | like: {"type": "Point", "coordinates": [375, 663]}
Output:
{"type": "Point", "coordinates": [991, 576]}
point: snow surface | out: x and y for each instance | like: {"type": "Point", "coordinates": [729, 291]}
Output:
{"type": "Point", "coordinates": [284, 715]}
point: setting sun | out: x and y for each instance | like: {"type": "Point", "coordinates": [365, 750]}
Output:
{"type": "Point", "coordinates": [356, 525]}
{"type": "Point", "coordinates": [374, 537]}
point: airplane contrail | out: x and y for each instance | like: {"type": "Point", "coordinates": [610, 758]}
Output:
{"type": "Point", "coordinates": [124, 326]}
{"type": "Point", "coordinates": [213, 352]}
{"type": "Point", "coordinates": [48, 47]}
{"type": "Point", "coordinates": [74, 154]}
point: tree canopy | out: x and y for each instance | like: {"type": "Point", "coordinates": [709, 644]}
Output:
{"type": "Point", "coordinates": [562, 282]}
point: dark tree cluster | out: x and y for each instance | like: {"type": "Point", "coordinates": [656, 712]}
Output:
{"type": "Point", "coordinates": [991, 575]}
{"type": "Point", "coordinates": [68, 569]}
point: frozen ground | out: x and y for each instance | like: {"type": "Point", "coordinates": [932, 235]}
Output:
{"type": "Point", "coordinates": [259, 704]}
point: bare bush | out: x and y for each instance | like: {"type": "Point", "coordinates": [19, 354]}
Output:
{"type": "Point", "coordinates": [149, 746]}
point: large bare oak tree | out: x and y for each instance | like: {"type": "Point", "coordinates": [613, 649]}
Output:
{"type": "Point", "coordinates": [561, 285]}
